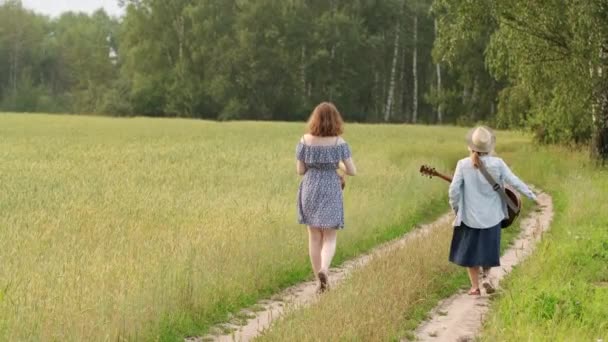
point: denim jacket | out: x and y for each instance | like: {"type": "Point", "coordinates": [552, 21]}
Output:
{"type": "Point", "coordinates": [474, 200]}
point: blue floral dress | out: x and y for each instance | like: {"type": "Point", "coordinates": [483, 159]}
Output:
{"type": "Point", "coordinates": [320, 202]}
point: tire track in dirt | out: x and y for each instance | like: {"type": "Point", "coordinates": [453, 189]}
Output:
{"type": "Point", "coordinates": [265, 312]}
{"type": "Point", "coordinates": [457, 318]}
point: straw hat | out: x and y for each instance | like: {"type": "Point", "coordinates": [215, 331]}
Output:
{"type": "Point", "coordinates": [481, 139]}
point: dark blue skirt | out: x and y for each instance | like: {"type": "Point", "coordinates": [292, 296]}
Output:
{"type": "Point", "coordinates": [476, 247]}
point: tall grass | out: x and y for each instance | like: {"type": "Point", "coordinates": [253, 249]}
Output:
{"type": "Point", "coordinates": [154, 229]}
{"type": "Point", "coordinates": [561, 294]}
{"type": "Point", "coordinates": [374, 302]}
{"type": "Point", "coordinates": [388, 298]}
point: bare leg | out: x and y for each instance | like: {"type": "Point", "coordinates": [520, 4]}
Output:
{"type": "Point", "coordinates": [315, 242]}
{"type": "Point", "coordinates": [474, 277]}
{"type": "Point", "coordinates": [486, 281]}
{"type": "Point", "coordinates": [329, 249]}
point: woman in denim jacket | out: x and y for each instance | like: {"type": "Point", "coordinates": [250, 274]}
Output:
{"type": "Point", "coordinates": [479, 209]}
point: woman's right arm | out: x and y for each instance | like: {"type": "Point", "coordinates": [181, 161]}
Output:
{"type": "Point", "coordinates": [456, 188]}
{"type": "Point", "coordinates": [514, 181]}
{"type": "Point", "coordinates": [300, 167]}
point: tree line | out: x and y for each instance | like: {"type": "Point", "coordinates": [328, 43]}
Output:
{"type": "Point", "coordinates": [538, 64]}
{"type": "Point", "coordinates": [224, 59]}
{"type": "Point", "coordinates": [550, 58]}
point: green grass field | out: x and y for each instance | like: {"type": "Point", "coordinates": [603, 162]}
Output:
{"type": "Point", "coordinates": [154, 229]}
{"type": "Point", "coordinates": [559, 294]}
{"type": "Point", "coordinates": [157, 228]}
{"type": "Point", "coordinates": [393, 294]}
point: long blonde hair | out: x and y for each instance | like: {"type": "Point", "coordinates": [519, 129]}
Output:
{"type": "Point", "coordinates": [475, 158]}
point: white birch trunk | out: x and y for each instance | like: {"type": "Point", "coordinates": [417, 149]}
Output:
{"type": "Point", "coordinates": [600, 113]}
{"type": "Point", "coordinates": [16, 56]}
{"type": "Point", "coordinates": [303, 71]}
{"type": "Point", "coordinates": [378, 96]}
{"type": "Point", "coordinates": [15, 67]}
{"type": "Point", "coordinates": [391, 89]}
{"type": "Point", "coordinates": [465, 95]}
{"type": "Point", "coordinates": [334, 8]}
{"type": "Point", "coordinates": [415, 70]}
{"type": "Point", "coordinates": [439, 105]}
{"type": "Point", "coordinates": [402, 80]}
{"type": "Point", "coordinates": [438, 70]}
{"type": "Point", "coordinates": [181, 33]}
{"type": "Point", "coordinates": [475, 99]}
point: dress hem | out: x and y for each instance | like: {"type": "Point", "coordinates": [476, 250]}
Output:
{"type": "Point", "coordinates": [468, 265]}
{"type": "Point", "coordinates": [324, 226]}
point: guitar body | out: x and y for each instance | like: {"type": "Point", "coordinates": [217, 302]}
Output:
{"type": "Point", "coordinates": [516, 198]}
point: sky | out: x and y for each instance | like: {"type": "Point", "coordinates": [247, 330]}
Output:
{"type": "Point", "coordinates": [55, 7]}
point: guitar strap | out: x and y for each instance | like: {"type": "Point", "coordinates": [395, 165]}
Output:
{"type": "Point", "coordinates": [497, 187]}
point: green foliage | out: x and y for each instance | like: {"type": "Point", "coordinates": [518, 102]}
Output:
{"type": "Point", "coordinates": [552, 54]}
{"type": "Point", "coordinates": [223, 59]}
{"type": "Point", "coordinates": [538, 64]}
{"type": "Point", "coordinates": [464, 30]}
{"type": "Point", "coordinates": [55, 65]}
{"type": "Point", "coordinates": [535, 49]}
{"type": "Point", "coordinates": [116, 100]}
{"type": "Point", "coordinates": [513, 107]}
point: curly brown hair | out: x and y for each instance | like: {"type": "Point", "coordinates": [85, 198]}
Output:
{"type": "Point", "coordinates": [325, 121]}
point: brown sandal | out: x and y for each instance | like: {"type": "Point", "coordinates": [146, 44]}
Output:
{"type": "Point", "coordinates": [487, 285]}
{"type": "Point", "coordinates": [475, 292]}
{"type": "Point", "coordinates": [323, 285]}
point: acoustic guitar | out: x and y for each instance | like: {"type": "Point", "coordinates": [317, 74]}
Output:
{"type": "Point", "coordinates": [511, 193]}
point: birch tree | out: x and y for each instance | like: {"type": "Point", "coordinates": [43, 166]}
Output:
{"type": "Point", "coordinates": [396, 48]}
{"type": "Point", "coordinates": [438, 75]}
{"type": "Point", "coordinates": [415, 67]}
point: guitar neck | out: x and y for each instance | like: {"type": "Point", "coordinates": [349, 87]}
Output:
{"type": "Point", "coordinates": [444, 177]}
{"type": "Point", "coordinates": [431, 172]}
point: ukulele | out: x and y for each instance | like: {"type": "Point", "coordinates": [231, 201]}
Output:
{"type": "Point", "coordinates": [511, 193]}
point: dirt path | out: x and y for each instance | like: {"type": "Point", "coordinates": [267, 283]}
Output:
{"type": "Point", "coordinates": [265, 312]}
{"type": "Point", "coordinates": [459, 318]}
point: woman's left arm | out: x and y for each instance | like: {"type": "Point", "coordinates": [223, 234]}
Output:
{"type": "Point", "coordinates": [348, 167]}
{"type": "Point", "coordinates": [511, 179]}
